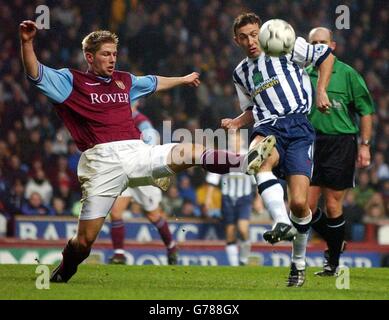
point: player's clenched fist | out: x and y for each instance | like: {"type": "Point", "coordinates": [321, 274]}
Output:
{"type": "Point", "coordinates": [192, 79]}
{"type": "Point", "coordinates": [228, 124]}
{"type": "Point", "coordinates": [27, 30]}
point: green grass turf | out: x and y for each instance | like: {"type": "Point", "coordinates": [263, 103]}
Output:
{"type": "Point", "coordinates": [189, 283]}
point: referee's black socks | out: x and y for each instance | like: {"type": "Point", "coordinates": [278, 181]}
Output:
{"type": "Point", "coordinates": [335, 237]}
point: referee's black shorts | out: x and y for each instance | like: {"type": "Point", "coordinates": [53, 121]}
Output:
{"type": "Point", "coordinates": [334, 161]}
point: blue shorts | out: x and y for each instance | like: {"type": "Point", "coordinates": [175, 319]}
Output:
{"type": "Point", "coordinates": [236, 209]}
{"type": "Point", "coordinates": [295, 138]}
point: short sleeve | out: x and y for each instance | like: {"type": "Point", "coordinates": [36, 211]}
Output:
{"type": "Point", "coordinates": [304, 53]}
{"type": "Point", "coordinates": [57, 85]}
{"type": "Point", "coordinates": [142, 86]}
{"type": "Point", "coordinates": [363, 101]}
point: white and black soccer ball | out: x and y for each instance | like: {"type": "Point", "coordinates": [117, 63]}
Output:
{"type": "Point", "coordinates": [277, 37]}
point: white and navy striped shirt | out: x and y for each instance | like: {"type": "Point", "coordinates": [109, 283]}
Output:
{"type": "Point", "coordinates": [277, 86]}
{"type": "Point", "coordinates": [233, 184]}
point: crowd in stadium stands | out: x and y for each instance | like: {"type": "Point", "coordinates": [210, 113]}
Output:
{"type": "Point", "coordinates": [38, 159]}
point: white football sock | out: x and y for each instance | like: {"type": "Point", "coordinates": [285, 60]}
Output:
{"type": "Point", "coordinates": [273, 198]}
{"type": "Point", "coordinates": [232, 254]}
{"type": "Point", "coordinates": [244, 251]}
{"type": "Point", "coordinates": [300, 242]}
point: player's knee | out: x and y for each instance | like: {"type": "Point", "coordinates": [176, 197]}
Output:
{"type": "Point", "coordinates": [116, 214]}
{"type": "Point", "coordinates": [333, 208]}
{"type": "Point", "coordinates": [298, 205]}
{"type": "Point", "coordinates": [85, 243]}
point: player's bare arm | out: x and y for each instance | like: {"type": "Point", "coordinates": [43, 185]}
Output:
{"type": "Point", "coordinates": [324, 75]}
{"type": "Point", "coordinates": [27, 33]}
{"type": "Point", "coordinates": [244, 119]}
{"type": "Point", "coordinates": [166, 83]}
{"type": "Point", "coordinates": [366, 125]}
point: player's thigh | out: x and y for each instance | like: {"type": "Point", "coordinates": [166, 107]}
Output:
{"type": "Point", "coordinates": [334, 201]}
{"type": "Point", "coordinates": [227, 210]}
{"type": "Point", "coordinates": [152, 163]}
{"type": "Point", "coordinates": [121, 204]}
{"type": "Point", "coordinates": [272, 160]}
{"type": "Point", "coordinates": [149, 197]}
{"type": "Point", "coordinates": [100, 172]}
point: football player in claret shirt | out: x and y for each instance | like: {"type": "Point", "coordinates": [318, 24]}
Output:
{"type": "Point", "coordinates": [95, 107]}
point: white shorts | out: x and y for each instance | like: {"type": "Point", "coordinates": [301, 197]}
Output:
{"type": "Point", "coordinates": [107, 169]}
{"type": "Point", "coordinates": [149, 197]}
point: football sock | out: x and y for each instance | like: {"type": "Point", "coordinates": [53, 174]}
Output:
{"type": "Point", "coordinates": [220, 161]}
{"type": "Point", "coordinates": [336, 232]}
{"type": "Point", "coordinates": [117, 235]}
{"type": "Point", "coordinates": [72, 257]}
{"type": "Point", "coordinates": [232, 254]}
{"type": "Point", "coordinates": [300, 242]}
{"type": "Point", "coordinates": [272, 195]}
{"type": "Point", "coordinates": [244, 251]}
{"type": "Point", "coordinates": [319, 223]}
{"type": "Point", "coordinates": [164, 232]}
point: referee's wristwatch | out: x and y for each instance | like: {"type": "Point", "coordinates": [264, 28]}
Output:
{"type": "Point", "coordinates": [365, 142]}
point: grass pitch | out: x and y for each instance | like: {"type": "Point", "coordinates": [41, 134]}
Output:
{"type": "Point", "coordinates": [189, 283]}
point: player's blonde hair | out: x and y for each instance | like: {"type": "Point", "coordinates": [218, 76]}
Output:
{"type": "Point", "coordinates": [93, 41]}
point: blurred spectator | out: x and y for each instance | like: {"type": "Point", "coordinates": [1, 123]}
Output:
{"type": "Point", "coordinates": [363, 191]}
{"type": "Point", "coordinates": [186, 190]}
{"type": "Point", "coordinates": [73, 156]}
{"type": "Point", "coordinates": [375, 214]}
{"type": "Point", "coordinates": [353, 213]}
{"type": "Point", "coordinates": [171, 201]}
{"type": "Point", "coordinates": [59, 208]}
{"type": "Point", "coordinates": [35, 206]}
{"type": "Point", "coordinates": [16, 198]}
{"type": "Point", "coordinates": [188, 210]}
{"type": "Point", "coordinates": [39, 184]}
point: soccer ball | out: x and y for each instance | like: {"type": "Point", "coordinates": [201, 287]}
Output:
{"type": "Point", "coordinates": [277, 37]}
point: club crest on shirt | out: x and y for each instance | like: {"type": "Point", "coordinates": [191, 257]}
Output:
{"type": "Point", "coordinates": [257, 78]}
{"type": "Point", "coordinates": [120, 84]}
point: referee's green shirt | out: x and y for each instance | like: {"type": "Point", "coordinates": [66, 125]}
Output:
{"type": "Point", "coordinates": [348, 95]}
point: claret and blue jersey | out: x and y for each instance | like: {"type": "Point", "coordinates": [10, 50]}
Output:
{"type": "Point", "coordinates": [95, 109]}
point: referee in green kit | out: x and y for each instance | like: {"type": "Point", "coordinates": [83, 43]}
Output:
{"type": "Point", "coordinates": [338, 149]}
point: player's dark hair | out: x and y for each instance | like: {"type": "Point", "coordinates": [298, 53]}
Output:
{"type": "Point", "coordinates": [246, 18]}
{"type": "Point", "coordinates": [93, 41]}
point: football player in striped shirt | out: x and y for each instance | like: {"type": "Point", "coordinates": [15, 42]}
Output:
{"type": "Point", "coordinates": [275, 94]}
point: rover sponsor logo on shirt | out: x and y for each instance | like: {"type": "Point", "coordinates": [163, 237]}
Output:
{"type": "Point", "coordinates": [108, 97]}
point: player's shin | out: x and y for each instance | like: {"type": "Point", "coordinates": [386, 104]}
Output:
{"type": "Point", "coordinates": [272, 194]}
{"type": "Point", "coordinates": [117, 236]}
{"type": "Point", "coordinates": [336, 234]}
{"type": "Point", "coordinates": [244, 252]}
